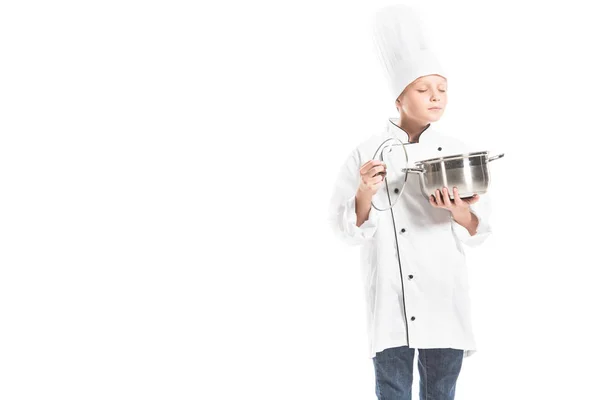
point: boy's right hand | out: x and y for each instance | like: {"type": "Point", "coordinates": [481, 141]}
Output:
{"type": "Point", "coordinates": [372, 174]}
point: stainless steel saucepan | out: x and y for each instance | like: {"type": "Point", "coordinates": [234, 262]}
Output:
{"type": "Point", "coordinates": [468, 172]}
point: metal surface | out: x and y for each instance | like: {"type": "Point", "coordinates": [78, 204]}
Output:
{"type": "Point", "coordinates": [468, 172]}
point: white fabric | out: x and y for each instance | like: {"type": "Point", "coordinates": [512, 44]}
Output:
{"type": "Point", "coordinates": [431, 249]}
{"type": "Point", "coordinates": [402, 48]}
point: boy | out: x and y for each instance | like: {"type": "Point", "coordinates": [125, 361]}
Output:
{"type": "Point", "coordinates": [412, 257]}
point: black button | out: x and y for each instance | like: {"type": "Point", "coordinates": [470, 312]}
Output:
{"type": "Point", "coordinates": [396, 190]}
{"type": "Point", "coordinates": [402, 230]}
{"type": "Point", "coordinates": [412, 318]}
{"type": "Point", "coordinates": [410, 277]}
{"type": "Point", "coordinates": [439, 149]}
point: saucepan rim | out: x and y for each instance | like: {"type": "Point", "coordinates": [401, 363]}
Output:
{"type": "Point", "coordinates": [453, 157]}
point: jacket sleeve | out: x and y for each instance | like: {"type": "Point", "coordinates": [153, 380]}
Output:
{"type": "Point", "coordinates": [342, 212]}
{"type": "Point", "coordinates": [482, 210]}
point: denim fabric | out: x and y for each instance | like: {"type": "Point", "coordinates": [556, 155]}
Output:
{"type": "Point", "coordinates": [438, 373]}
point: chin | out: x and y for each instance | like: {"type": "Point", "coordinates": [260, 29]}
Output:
{"type": "Point", "coordinates": [434, 118]}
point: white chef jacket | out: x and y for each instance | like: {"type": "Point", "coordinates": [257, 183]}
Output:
{"type": "Point", "coordinates": [412, 257]}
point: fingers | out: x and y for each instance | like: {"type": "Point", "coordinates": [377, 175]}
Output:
{"type": "Point", "coordinates": [372, 175]}
{"type": "Point", "coordinates": [464, 203]}
{"type": "Point", "coordinates": [432, 201]}
{"type": "Point", "coordinates": [447, 202]}
{"type": "Point", "coordinates": [438, 197]}
{"type": "Point", "coordinates": [368, 165]}
{"type": "Point", "coordinates": [377, 185]}
{"type": "Point", "coordinates": [457, 200]}
{"type": "Point", "coordinates": [374, 179]}
{"type": "Point", "coordinates": [442, 199]}
{"type": "Point", "coordinates": [473, 200]}
{"type": "Point", "coordinates": [380, 169]}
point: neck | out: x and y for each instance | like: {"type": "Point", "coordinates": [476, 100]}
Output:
{"type": "Point", "coordinates": [412, 127]}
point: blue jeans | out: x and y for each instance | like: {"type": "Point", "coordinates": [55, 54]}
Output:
{"type": "Point", "coordinates": [438, 372]}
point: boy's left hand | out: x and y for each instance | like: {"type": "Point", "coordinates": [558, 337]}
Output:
{"type": "Point", "coordinates": [456, 206]}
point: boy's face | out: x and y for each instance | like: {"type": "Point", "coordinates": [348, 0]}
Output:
{"type": "Point", "coordinates": [424, 99]}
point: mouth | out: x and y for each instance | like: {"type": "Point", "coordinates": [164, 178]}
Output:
{"type": "Point", "coordinates": [434, 108]}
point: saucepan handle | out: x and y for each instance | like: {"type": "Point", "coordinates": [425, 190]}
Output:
{"type": "Point", "coordinates": [495, 157]}
{"type": "Point", "coordinates": [415, 170]}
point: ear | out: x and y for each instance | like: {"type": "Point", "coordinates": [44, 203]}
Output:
{"type": "Point", "coordinates": [399, 102]}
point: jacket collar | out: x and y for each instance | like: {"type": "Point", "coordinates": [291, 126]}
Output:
{"type": "Point", "coordinates": [428, 134]}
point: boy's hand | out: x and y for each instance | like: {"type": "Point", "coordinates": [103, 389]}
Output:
{"type": "Point", "coordinates": [456, 206]}
{"type": "Point", "coordinates": [372, 174]}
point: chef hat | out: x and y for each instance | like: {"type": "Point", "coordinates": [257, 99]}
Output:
{"type": "Point", "coordinates": [402, 47]}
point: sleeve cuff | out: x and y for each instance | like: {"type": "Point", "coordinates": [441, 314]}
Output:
{"type": "Point", "coordinates": [367, 229]}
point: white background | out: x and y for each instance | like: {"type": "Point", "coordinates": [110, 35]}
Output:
{"type": "Point", "coordinates": [165, 172]}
